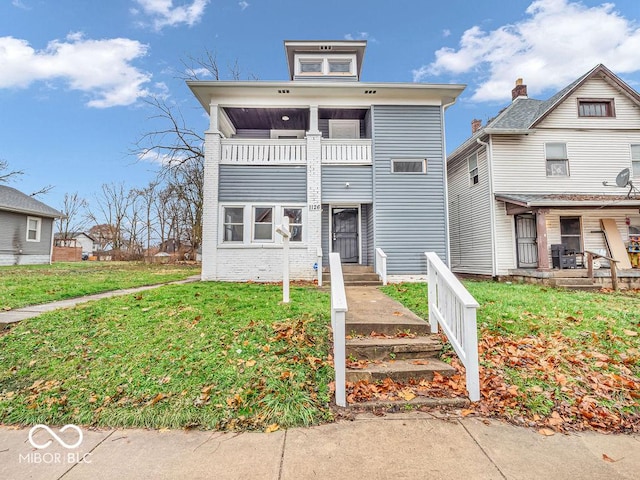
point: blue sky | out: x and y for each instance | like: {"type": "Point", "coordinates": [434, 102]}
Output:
{"type": "Point", "coordinates": [74, 74]}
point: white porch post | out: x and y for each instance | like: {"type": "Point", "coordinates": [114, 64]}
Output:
{"type": "Point", "coordinates": [210, 197]}
{"type": "Point", "coordinates": [314, 177]}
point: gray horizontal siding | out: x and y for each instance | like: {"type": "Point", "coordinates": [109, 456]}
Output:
{"type": "Point", "coordinates": [253, 183]}
{"type": "Point", "coordinates": [335, 178]}
{"type": "Point", "coordinates": [13, 235]}
{"type": "Point", "coordinates": [409, 211]}
{"type": "Point", "coordinates": [252, 133]}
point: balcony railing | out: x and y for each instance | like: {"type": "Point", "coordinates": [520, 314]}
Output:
{"type": "Point", "coordinates": [263, 151]}
{"type": "Point", "coordinates": [346, 150]}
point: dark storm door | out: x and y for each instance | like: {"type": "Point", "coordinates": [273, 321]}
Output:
{"type": "Point", "coordinates": [345, 234]}
{"type": "Point", "coordinates": [526, 241]}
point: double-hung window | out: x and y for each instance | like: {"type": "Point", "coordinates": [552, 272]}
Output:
{"type": "Point", "coordinates": [557, 161]}
{"type": "Point", "coordinates": [262, 224]}
{"type": "Point", "coordinates": [33, 229]}
{"type": "Point", "coordinates": [635, 161]}
{"type": "Point", "coordinates": [233, 226]}
{"type": "Point", "coordinates": [472, 161]}
{"type": "Point", "coordinates": [295, 222]}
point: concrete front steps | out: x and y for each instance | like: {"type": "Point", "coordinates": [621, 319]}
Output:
{"type": "Point", "coordinates": [355, 275]}
{"type": "Point", "coordinates": [386, 340]}
{"type": "Point", "coordinates": [574, 283]}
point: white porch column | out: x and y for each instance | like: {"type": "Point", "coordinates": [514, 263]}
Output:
{"type": "Point", "coordinates": [314, 178]}
{"type": "Point", "coordinates": [210, 200]}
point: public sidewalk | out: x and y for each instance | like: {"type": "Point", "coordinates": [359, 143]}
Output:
{"type": "Point", "coordinates": [19, 314]}
{"type": "Point", "coordinates": [398, 446]}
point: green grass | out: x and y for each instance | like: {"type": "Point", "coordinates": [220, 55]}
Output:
{"type": "Point", "coordinates": [558, 348]}
{"type": "Point", "coordinates": [34, 284]}
{"type": "Point", "coordinates": [206, 355]}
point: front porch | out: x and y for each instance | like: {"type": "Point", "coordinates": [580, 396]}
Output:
{"type": "Point", "coordinates": [577, 278]}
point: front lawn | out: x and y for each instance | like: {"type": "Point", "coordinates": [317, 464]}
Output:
{"type": "Point", "coordinates": [24, 285]}
{"type": "Point", "coordinates": [552, 358]}
{"type": "Point", "coordinates": [206, 355]}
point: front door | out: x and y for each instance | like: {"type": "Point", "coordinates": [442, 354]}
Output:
{"type": "Point", "coordinates": [345, 234]}
{"type": "Point", "coordinates": [526, 241]}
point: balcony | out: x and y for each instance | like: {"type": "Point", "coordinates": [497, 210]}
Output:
{"type": "Point", "coordinates": [346, 151]}
{"type": "Point", "coordinates": [250, 151]}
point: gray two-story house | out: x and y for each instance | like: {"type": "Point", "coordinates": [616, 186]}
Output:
{"type": "Point", "coordinates": [356, 166]}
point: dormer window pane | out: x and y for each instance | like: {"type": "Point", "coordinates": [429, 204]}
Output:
{"type": "Point", "coordinates": [311, 66]}
{"type": "Point", "coordinates": [340, 66]}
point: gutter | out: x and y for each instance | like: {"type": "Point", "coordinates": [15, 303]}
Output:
{"type": "Point", "coordinates": [443, 108]}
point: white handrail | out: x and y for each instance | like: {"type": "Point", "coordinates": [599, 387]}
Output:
{"type": "Point", "coordinates": [263, 151]}
{"type": "Point", "coordinates": [381, 265]}
{"type": "Point", "coordinates": [338, 312]}
{"type": "Point", "coordinates": [355, 151]}
{"type": "Point", "coordinates": [319, 264]}
{"type": "Point", "coordinates": [454, 308]}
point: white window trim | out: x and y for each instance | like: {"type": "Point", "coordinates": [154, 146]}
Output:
{"type": "Point", "coordinates": [248, 222]}
{"type": "Point", "coordinates": [634, 161]}
{"type": "Point", "coordinates": [302, 221]}
{"type": "Point", "coordinates": [38, 229]}
{"type": "Point", "coordinates": [253, 223]}
{"type": "Point", "coordinates": [244, 224]}
{"type": "Point", "coordinates": [566, 160]}
{"type": "Point", "coordinates": [470, 170]}
{"type": "Point", "coordinates": [416, 160]}
{"type": "Point", "coordinates": [325, 59]}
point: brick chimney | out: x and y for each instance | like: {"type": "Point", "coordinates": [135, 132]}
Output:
{"type": "Point", "coordinates": [476, 125]}
{"type": "Point", "coordinates": [520, 90]}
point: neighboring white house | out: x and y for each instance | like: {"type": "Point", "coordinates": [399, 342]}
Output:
{"type": "Point", "coordinates": [77, 239]}
{"type": "Point", "coordinates": [26, 228]}
{"type": "Point", "coordinates": [533, 177]}
{"type": "Point", "coordinates": [355, 166]}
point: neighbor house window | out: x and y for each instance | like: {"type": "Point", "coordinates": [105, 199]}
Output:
{"type": "Point", "coordinates": [33, 229]}
{"type": "Point", "coordinates": [557, 161]}
{"type": "Point", "coordinates": [263, 224]}
{"type": "Point", "coordinates": [635, 161]}
{"type": "Point", "coordinates": [409, 166]}
{"type": "Point", "coordinates": [596, 108]}
{"type": "Point", "coordinates": [233, 224]}
{"type": "Point", "coordinates": [570, 235]}
{"type": "Point", "coordinates": [295, 222]}
{"type": "Point", "coordinates": [472, 161]}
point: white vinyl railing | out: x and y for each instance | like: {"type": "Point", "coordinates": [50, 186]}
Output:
{"type": "Point", "coordinates": [319, 264]}
{"type": "Point", "coordinates": [454, 308]}
{"type": "Point", "coordinates": [263, 151]}
{"type": "Point", "coordinates": [345, 150]}
{"type": "Point", "coordinates": [381, 265]}
{"type": "Point", "coordinates": [338, 312]}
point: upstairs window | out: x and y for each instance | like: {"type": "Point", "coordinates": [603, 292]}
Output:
{"type": "Point", "coordinates": [311, 66]}
{"type": "Point", "coordinates": [409, 165]}
{"type": "Point", "coordinates": [340, 67]}
{"type": "Point", "coordinates": [474, 177]}
{"type": "Point", "coordinates": [596, 107]}
{"type": "Point", "coordinates": [325, 65]}
{"type": "Point", "coordinates": [33, 229]}
{"type": "Point", "coordinates": [635, 161]}
{"type": "Point", "coordinates": [557, 161]}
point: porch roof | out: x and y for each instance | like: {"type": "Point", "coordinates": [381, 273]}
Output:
{"type": "Point", "coordinates": [537, 200]}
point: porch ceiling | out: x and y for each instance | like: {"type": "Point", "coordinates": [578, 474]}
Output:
{"type": "Point", "coordinates": [269, 118]}
{"type": "Point", "coordinates": [567, 200]}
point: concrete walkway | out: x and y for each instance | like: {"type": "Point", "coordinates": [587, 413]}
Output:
{"type": "Point", "coordinates": [19, 314]}
{"type": "Point", "coordinates": [399, 446]}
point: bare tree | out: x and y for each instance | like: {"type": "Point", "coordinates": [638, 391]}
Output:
{"type": "Point", "coordinates": [75, 215]}
{"type": "Point", "coordinates": [6, 176]}
{"type": "Point", "coordinates": [113, 204]}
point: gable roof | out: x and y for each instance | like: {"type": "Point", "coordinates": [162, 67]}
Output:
{"type": "Point", "coordinates": [13, 200]}
{"type": "Point", "coordinates": [524, 114]}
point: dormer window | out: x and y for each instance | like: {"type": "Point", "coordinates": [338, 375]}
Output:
{"type": "Point", "coordinates": [596, 107]}
{"type": "Point", "coordinates": [329, 64]}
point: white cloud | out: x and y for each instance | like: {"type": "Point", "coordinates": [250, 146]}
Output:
{"type": "Point", "coordinates": [100, 68]}
{"type": "Point", "coordinates": [359, 36]}
{"type": "Point", "coordinates": [20, 4]}
{"type": "Point", "coordinates": [446, 33]}
{"type": "Point", "coordinates": [558, 41]}
{"type": "Point", "coordinates": [163, 13]}
{"type": "Point", "coordinates": [243, 4]}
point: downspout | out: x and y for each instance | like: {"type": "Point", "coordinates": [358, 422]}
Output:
{"type": "Point", "coordinates": [492, 215]}
{"type": "Point", "coordinates": [446, 186]}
